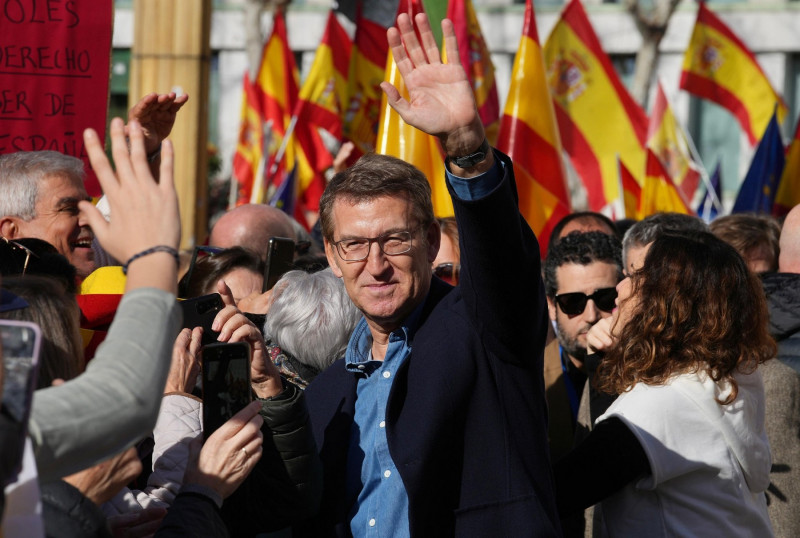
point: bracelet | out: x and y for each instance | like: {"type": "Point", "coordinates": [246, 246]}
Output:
{"type": "Point", "coordinates": [153, 156]}
{"type": "Point", "coordinates": [152, 250]}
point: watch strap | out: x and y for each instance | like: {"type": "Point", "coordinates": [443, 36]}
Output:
{"type": "Point", "coordinates": [468, 161]}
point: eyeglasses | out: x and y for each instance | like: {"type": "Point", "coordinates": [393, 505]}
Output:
{"type": "Point", "coordinates": [573, 304]}
{"type": "Point", "coordinates": [448, 272]}
{"type": "Point", "coordinates": [357, 249]}
{"type": "Point", "coordinates": [17, 247]}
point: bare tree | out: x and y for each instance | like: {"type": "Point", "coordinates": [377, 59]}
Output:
{"type": "Point", "coordinates": [651, 18]}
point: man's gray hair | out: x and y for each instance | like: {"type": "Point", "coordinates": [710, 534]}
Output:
{"type": "Point", "coordinates": [651, 228]}
{"type": "Point", "coordinates": [21, 174]}
{"type": "Point", "coordinates": [311, 317]}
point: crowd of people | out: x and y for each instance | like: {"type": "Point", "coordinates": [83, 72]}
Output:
{"type": "Point", "coordinates": [411, 376]}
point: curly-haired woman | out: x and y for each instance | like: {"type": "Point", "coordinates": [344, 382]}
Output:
{"type": "Point", "coordinates": [682, 451]}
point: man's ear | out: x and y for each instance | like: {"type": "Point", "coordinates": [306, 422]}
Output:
{"type": "Point", "coordinates": [551, 308]}
{"type": "Point", "coordinates": [9, 228]}
{"type": "Point", "coordinates": [333, 260]}
{"type": "Point", "coordinates": [434, 238]}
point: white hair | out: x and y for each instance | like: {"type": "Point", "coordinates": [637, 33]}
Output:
{"type": "Point", "coordinates": [311, 317]}
{"type": "Point", "coordinates": [21, 174]}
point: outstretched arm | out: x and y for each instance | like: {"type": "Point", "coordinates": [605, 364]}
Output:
{"type": "Point", "coordinates": [156, 114]}
{"type": "Point", "coordinates": [440, 100]}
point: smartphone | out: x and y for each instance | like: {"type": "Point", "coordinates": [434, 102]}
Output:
{"type": "Point", "coordinates": [21, 341]}
{"type": "Point", "coordinates": [280, 259]}
{"type": "Point", "coordinates": [226, 383]}
{"type": "Point", "coordinates": [200, 312]}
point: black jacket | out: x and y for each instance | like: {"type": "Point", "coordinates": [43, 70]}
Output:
{"type": "Point", "coordinates": [466, 419]}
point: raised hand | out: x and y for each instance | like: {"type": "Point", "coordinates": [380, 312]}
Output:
{"type": "Point", "coordinates": [143, 213]}
{"type": "Point", "coordinates": [440, 100]}
{"type": "Point", "coordinates": [156, 114]}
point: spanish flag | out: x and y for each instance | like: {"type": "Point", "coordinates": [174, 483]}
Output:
{"type": "Point", "coordinates": [719, 67]}
{"type": "Point", "coordinates": [292, 144]}
{"type": "Point", "coordinates": [659, 193]}
{"type": "Point", "coordinates": [529, 135]}
{"type": "Point", "coordinates": [788, 194]}
{"type": "Point", "coordinates": [477, 62]}
{"type": "Point", "coordinates": [398, 139]}
{"type": "Point", "coordinates": [631, 191]}
{"type": "Point", "coordinates": [367, 68]}
{"type": "Point", "coordinates": [249, 148]}
{"type": "Point", "coordinates": [276, 87]}
{"type": "Point", "coordinates": [323, 97]}
{"type": "Point", "coordinates": [668, 141]}
{"type": "Point", "coordinates": [597, 117]}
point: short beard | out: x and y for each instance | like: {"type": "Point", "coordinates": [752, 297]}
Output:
{"type": "Point", "coordinates": [570, 346]}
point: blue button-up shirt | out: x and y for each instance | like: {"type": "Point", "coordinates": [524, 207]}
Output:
{"type": "Point", "coordinates": [381, 508]}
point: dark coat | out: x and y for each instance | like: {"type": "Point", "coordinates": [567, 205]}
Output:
{"type": "Point", "coordinates": [466, 417]}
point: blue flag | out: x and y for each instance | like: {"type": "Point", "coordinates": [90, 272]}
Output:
{"type": "Point", "coordinates": [758, 189]}
{"type": "Point", "coordinates": [707, 210]}
{"type": "Point", "coordinates": [284, 196]}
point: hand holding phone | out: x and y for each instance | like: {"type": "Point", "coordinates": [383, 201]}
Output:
{"type": "Point", "coordinates": [200, 312]}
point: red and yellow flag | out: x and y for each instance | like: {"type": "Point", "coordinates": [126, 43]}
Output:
{"type": "Point", "coordinates": [367, 68]}
{"type": "Point", "coordinates": [788, 194]}
{"type": "Point", "coordinates": [277, 87]}
{"type": "Point", "coordinates": [668, 141]}
{"type": "Point", "coordinates": [477, 62]}
{"type": "Point", "coordinates": [397, 138]}
{"type": "Point", "coordinates": [292, 144]}
{"type": "Point", "coordinates": [659, 193]}
{"type": "Point", "coordinates": [719, 67]}
{"type": "Point", "coordinates": [249, 148]}
{"type": "Point", "coordinates": [323, 97]}
{"type": "Point", "coordinates": [597, 117]}
{"type": "Point", "coordinates": [631, 192]}
{"type": "Point", "coordinates": [529, 134]}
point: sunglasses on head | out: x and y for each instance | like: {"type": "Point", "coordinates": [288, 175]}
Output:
{"type": "Point", "coordinates": [21, 254]}
{"type": "Point", "coordinates": [573, 304]}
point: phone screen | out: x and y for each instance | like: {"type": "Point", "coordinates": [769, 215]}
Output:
{"type": "Point", "coordinates": [21, 343]}
{"type": "Point", "coordinates": [280, 258]}
{"type": "Point", "coordinates": [226, 383]}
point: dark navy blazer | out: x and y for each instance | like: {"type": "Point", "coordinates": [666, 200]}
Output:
{"type": "Point", "coordinates": [466, 419]}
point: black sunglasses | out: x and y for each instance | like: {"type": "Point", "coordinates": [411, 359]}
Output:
{"type": "Point", "coordinates": [573, 304]}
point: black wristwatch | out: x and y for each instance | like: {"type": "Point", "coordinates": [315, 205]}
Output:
{"type": "Point", "coordinates": [468, 161]}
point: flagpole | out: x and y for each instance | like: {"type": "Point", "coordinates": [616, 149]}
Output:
{"type": "Point", "coordinates": [704, 174]}
{"type": "Point", "coordinates": [621, 189]}
{"type": "Point", "coordinates": [258, 180]}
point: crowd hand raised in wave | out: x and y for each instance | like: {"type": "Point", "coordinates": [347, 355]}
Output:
{"type": "Point", "coordinates": [144, 213]}
{"type": "Point", "coordinates": [234, 326]}
{"type": "Point", "coordinates": [156, 114]}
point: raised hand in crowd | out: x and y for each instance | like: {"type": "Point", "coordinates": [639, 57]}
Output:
{"type": "Point", "coordinates": [156, 114]}
{"type": "Point", "coordinates": [229, 454]}
{"type": "Point", "coordinates": [233, 326]}
{"type": "Point", "coordinates": [144, 213]}
{"type": "Point", "coordinates": [101, 482]}
{"type": "Point", "coordinates": [441, 102]}
{"type": "Point", "coordinates": [185, 366]}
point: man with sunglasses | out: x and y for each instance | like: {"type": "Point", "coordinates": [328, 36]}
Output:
{"type": "Point", "coordinates": [581, 272]}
